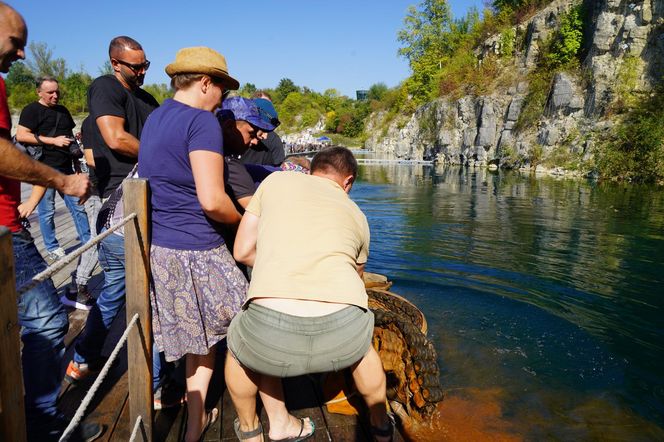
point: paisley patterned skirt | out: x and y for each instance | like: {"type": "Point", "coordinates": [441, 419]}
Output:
{"type": "Point", "coordinates": [194, 296]}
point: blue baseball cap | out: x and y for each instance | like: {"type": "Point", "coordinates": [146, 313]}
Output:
{"type": "Point", "coordinates": [258, 112]}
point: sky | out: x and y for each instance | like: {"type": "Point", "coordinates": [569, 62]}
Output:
{"type": "Point", "coordinates": [345, 45]}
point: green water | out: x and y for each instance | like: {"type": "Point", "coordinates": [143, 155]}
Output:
{"type": "Point", "coordinates": [544, 294]}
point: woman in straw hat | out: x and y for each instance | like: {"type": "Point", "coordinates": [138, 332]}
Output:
{"type": "Point", "coordinates": [197, 286]}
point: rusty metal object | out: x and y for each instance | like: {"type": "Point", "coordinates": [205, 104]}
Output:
{"type": "Point", "coordinates": [408, 356]}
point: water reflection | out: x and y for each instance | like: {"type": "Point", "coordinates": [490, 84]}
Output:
{"type": "Point", "coordinates": [548, 288]}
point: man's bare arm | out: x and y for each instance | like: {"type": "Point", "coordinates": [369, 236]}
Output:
{"type": "Point", "coordinates": [26, 208]}
{"type": "Point", "coordinates": [244, 250]}
{"type": "Point", "coordinates": [89, 157]}
{"type": "Point", "coordinates": [26, 136]}
{"type": "Point", "coordinates": [17, 165]}
{"type": "Point", "coordinates": [116, 137]}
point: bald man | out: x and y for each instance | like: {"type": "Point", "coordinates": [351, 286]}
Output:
{"type": "Point", "coordinates": [43, 320]}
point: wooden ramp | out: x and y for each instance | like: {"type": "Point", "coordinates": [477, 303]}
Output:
{"type": "Point", "coordinates": [110, 407]}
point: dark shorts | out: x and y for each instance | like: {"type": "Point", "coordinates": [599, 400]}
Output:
{"type": "Point", "coordinates": [282, 345]}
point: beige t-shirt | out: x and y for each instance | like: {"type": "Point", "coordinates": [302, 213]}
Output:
{"type": "Point", "coordinates": [310, 237]}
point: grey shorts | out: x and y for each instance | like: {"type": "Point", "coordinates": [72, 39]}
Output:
{"type": "Point", "coordinates": [282, 345]}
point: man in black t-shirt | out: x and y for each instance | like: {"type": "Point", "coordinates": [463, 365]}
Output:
{"type": "Point", "coordinates": [118, 110]}
{"type": "Point", "coordinates": [119, 107]}
{"type": "Point", "coordinates": [48, 125]}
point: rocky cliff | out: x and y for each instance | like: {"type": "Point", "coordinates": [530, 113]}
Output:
{"type": "Point", "coordinates": [480, 130]}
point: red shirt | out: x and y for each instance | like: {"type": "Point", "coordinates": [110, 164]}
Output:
{"type": "Point", "coordinates": [10, 190]}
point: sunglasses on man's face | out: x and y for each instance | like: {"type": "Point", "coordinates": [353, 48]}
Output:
{"type": "Point", "coordinates": [136, 68]}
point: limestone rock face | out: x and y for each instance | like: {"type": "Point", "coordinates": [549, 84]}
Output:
{"type": "Point", "coordinates": [485, 130]}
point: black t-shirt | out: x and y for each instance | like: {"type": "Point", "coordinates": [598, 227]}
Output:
{"type": "Point", "coordinates": [237, 180]}
{"type": "Point", "coordinates": [267, 152]}
{"type": "Point", "coordinates": [41, 120]}
{"type": "Point", "coordinates": [87, 140]}
{"type": "Point", "coordinates": [107, 96]}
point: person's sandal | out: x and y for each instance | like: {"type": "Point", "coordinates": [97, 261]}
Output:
{"type": "Point", "coordinates": [244, 435]}
{"type": "Point", "coordinates": [300, 437]}
{"type": "Point", "coordinates": [211, 417]}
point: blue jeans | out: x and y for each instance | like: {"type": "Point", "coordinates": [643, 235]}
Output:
{"type": "Point", "coordinates": [44, 324]}
{"type": "Point", "coordinates": [108, 305]}
{"type": "Point", "coordinates": [88, 260]}
{"type": "Point", "coordinates": [46, 209]}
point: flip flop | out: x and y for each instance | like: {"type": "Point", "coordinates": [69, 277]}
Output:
{"type": "Point", "coordinates": [299, 437]}
{"type": "Point", "coordinates": [244, 435]}
{"type": "Point", "coordinates": [212, 416]}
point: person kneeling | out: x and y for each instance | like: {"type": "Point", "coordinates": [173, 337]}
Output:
{"type": "Point", "coordinates": [306, 312]}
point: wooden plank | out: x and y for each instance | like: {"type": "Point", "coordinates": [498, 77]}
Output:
{"type": "Point", "coordinates": [227, 417]}
{"type": "Point", "coordinates": [169, 424]}
{"type": "Point", "coordinates": [110, 410]}
{"type": "Point", "coordinates": [12, 406]}
{"type": "Point", "coordinates": [303, 400]}
{"type": "Point", "coordinates": [106, 406]}
{"type": "Point", "coordinates": [121, 432]}
{"type": "Point", "coordinates": [137, 265]}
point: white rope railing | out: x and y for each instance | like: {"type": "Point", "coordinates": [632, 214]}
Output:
{"type": "Point", "coordinates": [95, 386]}
{"type": "Point", "coordinates": [62, 263]}
{"type": "Point", "coordinates": [134, 432]}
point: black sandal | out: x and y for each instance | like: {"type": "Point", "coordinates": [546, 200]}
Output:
{"type": "Point", "coordinates": [244, 435]}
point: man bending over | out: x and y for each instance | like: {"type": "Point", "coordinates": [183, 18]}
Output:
{"type": "Point", "coordinates": [307, 307]}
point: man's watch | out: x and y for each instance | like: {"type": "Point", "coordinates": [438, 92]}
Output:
{"type": "Point", "coordinates": [38, 140]}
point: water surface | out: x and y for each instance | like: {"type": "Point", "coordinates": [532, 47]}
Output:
{"type": "Point", "coordinates": [543, 296]}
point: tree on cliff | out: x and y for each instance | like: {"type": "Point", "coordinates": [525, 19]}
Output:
{"type": "Point", "coordinates": [285, 87]}
{"type": "Point", "coordinates": [426, 44]}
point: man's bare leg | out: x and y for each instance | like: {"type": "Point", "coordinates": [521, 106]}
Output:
{"type": "Point", "coordinates": [369, 378]}
{"type": "Point", "coordinates": [282, 423]}
{"type": "Point", "coordinates": [242, 386]}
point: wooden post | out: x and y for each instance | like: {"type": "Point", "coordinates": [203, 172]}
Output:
{"type": "Point", "coordinates": [12, 407]}
{"type": "Point", "coordinates": [137, 265]}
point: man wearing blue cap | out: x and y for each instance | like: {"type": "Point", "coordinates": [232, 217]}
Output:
{"type": "Point", "coordinates": [244, 124]}
{"type": "Point", "coordinates": [269, 151]}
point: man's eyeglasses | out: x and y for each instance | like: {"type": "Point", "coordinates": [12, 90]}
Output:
{"type": "Point", "coordinates": [136, 68]}
{"type": "Point", "coordinates": [265, 116]}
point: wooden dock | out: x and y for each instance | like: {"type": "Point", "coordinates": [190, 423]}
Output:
{"type": "Point", "coordinates": [110, 406]}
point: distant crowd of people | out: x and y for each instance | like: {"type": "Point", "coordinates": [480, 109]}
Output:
{"type": "Point", "coordinates": [248, 247]}
{"type": "Point", "coordinates": [308, 147]}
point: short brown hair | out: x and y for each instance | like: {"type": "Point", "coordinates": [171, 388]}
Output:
{"type": "Point", "coordinates": [261, 94]}
{"type": "Point", "coordinates": [183, 81]}
{"type": "Point", "coordinates": [335, 160]}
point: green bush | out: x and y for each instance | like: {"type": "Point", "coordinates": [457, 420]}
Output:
{"type": "Point", "coordinates": [507, 42]}
{"type": "Point", "coordinates": [160, 91]}
{"type": "Point", "coordinates": [565, 45]}
{"type": "Point", "coordinates": [20, 95]}
{"type": "Point", "coordinates": [539, 83]}
{"type": "Point", "coordinates": [634, 151]}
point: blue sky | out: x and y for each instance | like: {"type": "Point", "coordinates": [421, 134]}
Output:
{"type": "Point", "coordinates": [346, 45]}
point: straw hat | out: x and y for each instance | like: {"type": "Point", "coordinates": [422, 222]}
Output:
{"type": "Point", "coordinates": [202, 60]}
